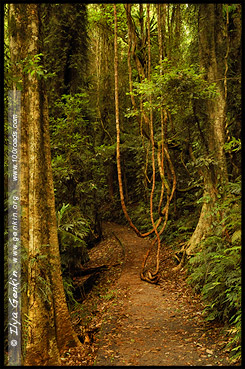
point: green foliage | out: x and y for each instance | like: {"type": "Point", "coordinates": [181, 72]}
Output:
{"type": "Point", "coordinates": [72, 147]}
{"type": "Point", "coordinates": [104, 14]}
{"type": "Point", "coordinates": [69, 291]}
{"type": "Point", "coordinates": [233, 145]}
{"type": "Point", "coordinates": [184, 93]}
{"type": "Point", "coordinates": [32, 65]}
{"type": "Point", "coordinates": [215, 271]}
{"type": "Point", "coordinates": [64, 37]}
{"type": "Point", "coordinates": [177, 88]}
{"type": "Point", "coordinates": [77, 164]}
{"type": "Point", "coordinates": [73, 230]}
{"type": "Point", "coordinates": [236, 336]}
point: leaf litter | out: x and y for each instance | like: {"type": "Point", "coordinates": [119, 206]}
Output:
{"type": "Point", "coordinates": [130, 322]}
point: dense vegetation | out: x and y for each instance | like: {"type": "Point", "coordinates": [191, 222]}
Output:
{"type": "Point", "coordinates": [77, 62]}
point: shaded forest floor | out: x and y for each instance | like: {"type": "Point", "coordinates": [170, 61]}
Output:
{"type": "Point", "coordinates": [125, 321]}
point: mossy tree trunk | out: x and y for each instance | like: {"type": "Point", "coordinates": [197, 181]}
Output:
{"type": "Point", "coordinates": [212, 59]}
{"type": "Point", "coordinates": [46, 327]}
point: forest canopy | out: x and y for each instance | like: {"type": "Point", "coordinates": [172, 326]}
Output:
{"type": "Point", "coordinates": [131, 113]}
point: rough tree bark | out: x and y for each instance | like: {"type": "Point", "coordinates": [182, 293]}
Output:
{"type": "Point", "coordinates": [46, 328]}
{"type": "Point", "coordinates": [212, 54]}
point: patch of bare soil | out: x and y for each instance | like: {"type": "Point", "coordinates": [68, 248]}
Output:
{"type": "Point", "coordinates": [126, 321]}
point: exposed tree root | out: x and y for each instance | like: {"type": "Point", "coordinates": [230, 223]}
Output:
{"type": "Point", "coordinates": [182, 262]}
{"type": "Point", "coordinates": [150, 277]}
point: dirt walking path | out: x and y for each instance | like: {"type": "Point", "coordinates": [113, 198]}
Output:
{"type": "Point", "coordinates": [155, 325]}
{"type": "Point", "coordinates": [124, 321]}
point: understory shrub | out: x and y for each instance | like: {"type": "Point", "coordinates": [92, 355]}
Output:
{"type": "Point", "coordinates": [215, 271]}
{"type": "Point", "coordinates": [73, 233]}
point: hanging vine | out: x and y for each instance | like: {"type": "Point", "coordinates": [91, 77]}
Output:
{"type": "Point", "coordinates": [119, 171]}
{"type": "Point", "coordinates": [142, 117]}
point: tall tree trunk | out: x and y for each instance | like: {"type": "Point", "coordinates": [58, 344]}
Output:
{"type": "Point", "coordinates": [48, 330]}
{"type": "Point", "coordinates": [212, 58]}
{"type": "Point", "coordinates": [119, 170]}
{"type": "Point", "coordinates": [161, 24]}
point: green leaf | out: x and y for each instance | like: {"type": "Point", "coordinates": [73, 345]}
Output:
{"type": "Point", "coordinates": [236, 236]}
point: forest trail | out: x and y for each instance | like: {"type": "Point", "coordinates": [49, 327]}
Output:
{"type": "Point", "coordinates": [159, 325]}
